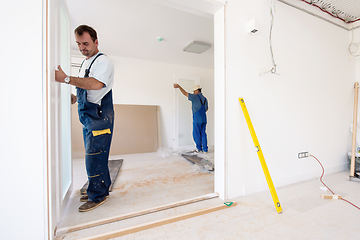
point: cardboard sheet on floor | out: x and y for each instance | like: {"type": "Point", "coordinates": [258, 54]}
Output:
{"type": "Point", "coordinates": [201, 162]}
{"type": "Point", "coordinates": [114, 168]}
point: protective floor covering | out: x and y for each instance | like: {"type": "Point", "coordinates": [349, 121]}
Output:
{"type": "Point", "coordinates": [145, 181]}
{"type": "Point", "coordinates": [201, 162]}
{"type": "Point", "coordinates": [114, 168]}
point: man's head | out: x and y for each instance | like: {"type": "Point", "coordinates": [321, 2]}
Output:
{"type": "Point", "coordinates": [197, 89]}
{"type": "Point", "coordinates": [86, 39]}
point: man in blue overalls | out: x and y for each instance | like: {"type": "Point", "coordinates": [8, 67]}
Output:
{"type": "Point", "coordinates": [199, 109]}
{"type": "Point", "coordinates": [96, 113]}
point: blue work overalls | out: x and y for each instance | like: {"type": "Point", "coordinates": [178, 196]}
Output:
{"type": "Point", "coordinates": [199, 127]}
{"type": "Point", "coordinates": [98, 123]}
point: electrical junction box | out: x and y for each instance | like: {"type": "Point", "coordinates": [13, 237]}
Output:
{"type": "Point", "coordinates": [303, 154]}
{"type": "Point", "coordinates": [251, 26]}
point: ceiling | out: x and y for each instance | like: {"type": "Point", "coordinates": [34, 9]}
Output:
{"type": "Point", "coordinates": [130, 28]}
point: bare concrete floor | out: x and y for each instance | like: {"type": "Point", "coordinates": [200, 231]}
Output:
{"type": "Point", "coordinates": [144, 181]}
{"type": "Point", "coordinates": [305, 216]}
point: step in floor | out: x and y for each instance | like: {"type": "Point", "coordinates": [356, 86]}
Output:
{"type": "Point", "coordinates": [141, 219]}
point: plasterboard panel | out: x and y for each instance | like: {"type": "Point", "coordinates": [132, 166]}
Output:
{"type": "Point", "coordinates": [135, 130]}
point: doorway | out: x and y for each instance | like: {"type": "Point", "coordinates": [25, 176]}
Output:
{"type": "Point", "coordinates": [141, 180]}
{"type": "Point", "coordinates": [183, 115]}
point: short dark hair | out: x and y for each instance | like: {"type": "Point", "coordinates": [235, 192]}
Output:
{"type": "Point", "coordinates": [199, 89]}
{"type": "Point", "coordinates": [85, 28]}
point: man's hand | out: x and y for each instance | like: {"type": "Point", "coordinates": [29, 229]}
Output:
{"type": "Point", "coordinates": [73, 99]}
{"type": "Point", "coordinates": [60, 75]}
{"type": "Point", "coordinates": [186, 94]}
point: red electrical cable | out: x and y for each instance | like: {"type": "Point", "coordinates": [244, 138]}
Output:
{"type": "Point", "coordinates": [333, 15]}
{"type": "Point", "coordinates": [327, 186]}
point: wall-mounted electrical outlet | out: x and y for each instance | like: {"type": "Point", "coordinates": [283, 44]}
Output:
{"type": "Point", "coordinates": [303, 154]}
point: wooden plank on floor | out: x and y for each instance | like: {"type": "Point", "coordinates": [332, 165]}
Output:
{"type": "Point", "coordinates": [134, 214]}
{"type": "Point", "coordinates": [114, 168]}
{"type": "Point", "coordinates": [145, 226]}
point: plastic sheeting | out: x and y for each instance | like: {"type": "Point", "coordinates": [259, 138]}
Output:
{"type": "Point", "coordinates": [206, 165]}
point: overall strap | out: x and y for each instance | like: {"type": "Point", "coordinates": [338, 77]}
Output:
{"type": "Point", "coordinates": [201, 101]}
{"type": "Point", "coordinates": [87, 71]}
{"type": "Point", "coordinates": [81, 65]}
{"type": "Point", "coordinates": [94, 61]}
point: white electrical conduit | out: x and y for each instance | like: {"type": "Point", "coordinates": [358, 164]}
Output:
{"type": "Point", "coordinates": [273, 69]}
{"type": "Point", "coordinates": [353, 44]}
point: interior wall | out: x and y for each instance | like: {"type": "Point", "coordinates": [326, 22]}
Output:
{"type": "Point", "coordinates": [308, 107]}
{"type": "Point", "coordinates": [141, 82]}
{"type": "Point", "coordinates": [220, 105]}
{"type": "Point", "coordinates": [22, 205]}
{"type": "Point", "coordinates": [355, 38]}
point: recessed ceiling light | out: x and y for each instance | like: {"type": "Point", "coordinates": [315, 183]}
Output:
{"type": "Point", "coordinates": [197, 47]}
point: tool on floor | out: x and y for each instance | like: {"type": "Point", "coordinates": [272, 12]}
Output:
{"type": "Point", "coordinates": [228, 203]}
{"type": "Point", "coordinates": [114, 168]}
{"type": "Point", "coordinates": [330, 196]}
{"type": "Point", "coordinates": [201, 162]}
{"type": "Point", "coordinates": [353, 174]}
{"type": "Point", "coordinates": [261, 157]}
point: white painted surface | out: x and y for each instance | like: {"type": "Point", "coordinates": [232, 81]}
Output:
{"type": "Point", "coordinates": [184, 116]}
{"type": "Point", "coordinates": [355, 38]}
{"type": "Point", "coordinates": [23, 181]}
{"type": "Point", "coordinates": [219, 101]}
{"type": "Point", "coordinates": [307, 108]}
{"type": "Point", "coordinates": [65, 163]}
{"type": "Point", "coordinates": [141, 82]}
{"type": "Point", "coordinates": [131, 28]}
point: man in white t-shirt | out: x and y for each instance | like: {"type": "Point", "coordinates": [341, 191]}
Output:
{"type": "Point", "coordinates": [96, 113]}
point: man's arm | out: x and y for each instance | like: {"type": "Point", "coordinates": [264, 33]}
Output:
{"type": "Point", "coordinates": [186, 94]}
{"type": "Point", "coordinates": [87, 84]}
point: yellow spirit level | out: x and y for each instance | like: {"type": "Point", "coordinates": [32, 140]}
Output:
{"type": "Point", "coordinates": [261, 157]}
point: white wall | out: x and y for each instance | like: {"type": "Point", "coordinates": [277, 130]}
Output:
{"type": "Point", "coordinates": [142, 82]}
{"type": "Point", "coordinates": [23, 182]}
{"type": "Point", "coordinates": [220, 105]}
{"type": "Point", "coordinates": [355, 39]}
{"type": "Point", "coordinates": [307, 108]}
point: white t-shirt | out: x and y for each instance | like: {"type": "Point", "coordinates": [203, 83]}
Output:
{"type": "Point", "coordinates": [102, 70]}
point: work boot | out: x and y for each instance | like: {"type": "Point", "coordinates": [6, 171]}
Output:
{"type": "Point", "coordinates": [91, 205]}
{"type": "Point", "coordinates": [84, 198]}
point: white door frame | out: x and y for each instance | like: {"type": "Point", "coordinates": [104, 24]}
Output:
{"type": "Point", "coordinates": [61, 199]}
{"type": "Point", "coordinates": [51, 9]}
{"type": "Point", "coordinates": [220, 137]}
{"type": "Point", "coordinates": [55, 202]}
{"type": "Point", "coordinates": [176, 109]}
